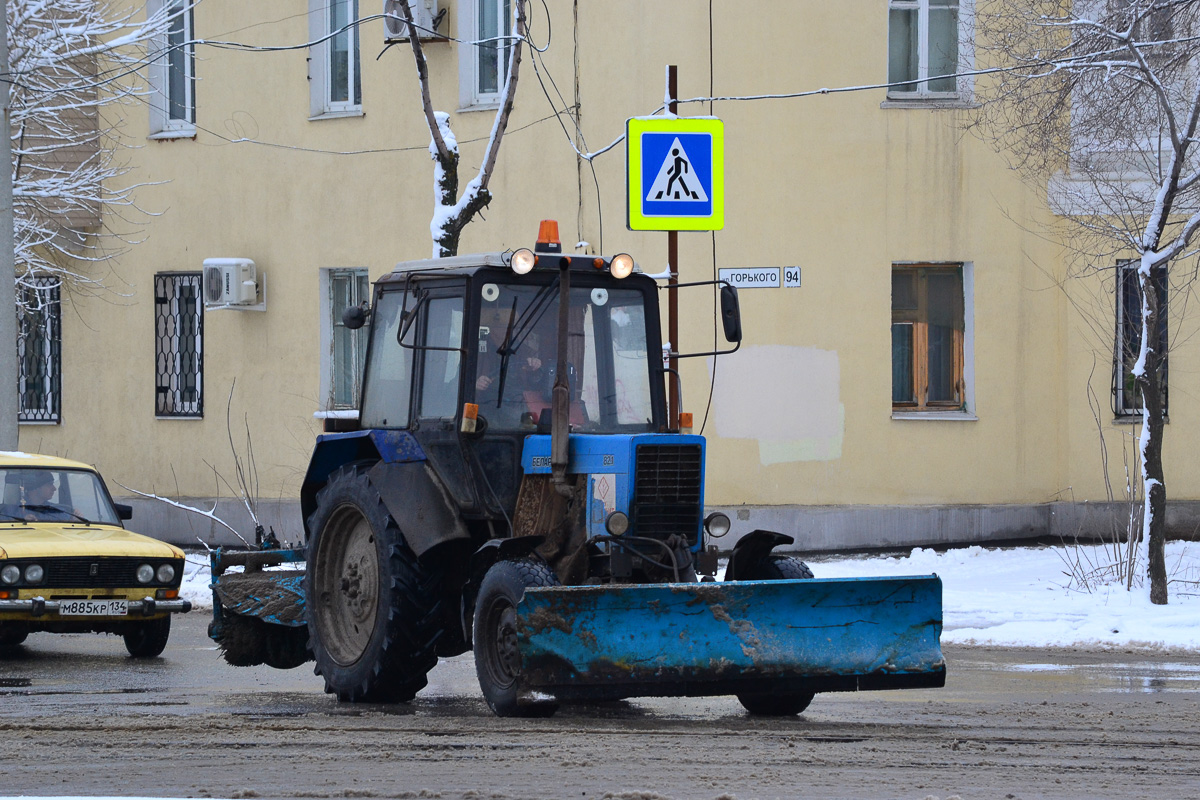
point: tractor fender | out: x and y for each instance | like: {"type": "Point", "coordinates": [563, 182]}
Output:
{"type": "Point", "coordinates": [336, 450]}
{"type": "Point", "coordinates": [482, 560]}
{"type": "Point", "coordinates": [419, 503]}
{"type": "Point", "coordinates": [752, 548]}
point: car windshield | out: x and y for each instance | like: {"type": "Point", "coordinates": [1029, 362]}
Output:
{"type": "Point", "coordinates": [608, 369]}
{"type": "Point", "coordinates": [40, 494]}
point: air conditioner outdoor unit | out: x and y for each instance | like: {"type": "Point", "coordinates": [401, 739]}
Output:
{"type": "Point", "coordinates": [425, 18]}
{"type": "Point", "coordinates": [230, 282]}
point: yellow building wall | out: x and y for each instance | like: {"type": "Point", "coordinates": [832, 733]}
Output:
{"type": "Point", "coordinates": [835, 184]}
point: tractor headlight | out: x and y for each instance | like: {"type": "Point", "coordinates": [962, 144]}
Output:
{"type": "Point", "coordinates": [145, 573]}
{"type": "Point", "coordinates": [621, 266]}
{"type": "Point", "coordinates": [10, 574]}
{"type": "Point", "coordinates": [716, 524]}
{"type": "Point", "coordinates": [522, 261]}
{"type": "Point", "coordinates": [617, 523]}
{"type": "Point", "coordinates": [34, 573]}
{"type": "Point", "coordinates": [165, 574]}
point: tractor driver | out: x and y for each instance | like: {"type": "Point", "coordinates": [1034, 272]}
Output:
{"type": "Point", "coordinates": [526, 377]}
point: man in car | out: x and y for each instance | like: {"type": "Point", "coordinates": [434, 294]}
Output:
{"type": "Point", "coordinates": [36, 489]}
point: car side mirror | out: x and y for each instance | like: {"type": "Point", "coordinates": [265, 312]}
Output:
{"type": "Point", "coordinates": [124, 512]}
{"type": "Point", "coordinates": [731, 314]}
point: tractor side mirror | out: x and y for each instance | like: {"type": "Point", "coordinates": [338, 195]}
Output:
{"type": "Point", "coordinates": [731, 314]}
{"type": "Point", "coordinates": [354, 317]}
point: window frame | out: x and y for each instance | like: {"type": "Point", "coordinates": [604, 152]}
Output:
{"type": "Point", "coordinates": [470, 96]}
{"type": "Point", "coordinates": [358, 292]}
{"type": "Point", "coordinates": [919, 93]}
{"type": "Point", "coordinates": [962, 407]}
{"type": "Point", "coordinates": [320, 62]}
{"type": "Point", "coordinates": [46, 322]}
{"type": "Point", "coordinates": [163, 123]}
{"type": "Point", "coordinates": [171, 360]}
{"type": "Point", "coordinates": [1127, 403]}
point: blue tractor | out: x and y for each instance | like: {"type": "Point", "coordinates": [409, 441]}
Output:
{"type": "Point", "coordinates": [513, 486]}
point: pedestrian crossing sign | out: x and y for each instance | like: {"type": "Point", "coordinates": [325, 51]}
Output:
{"type": "Point", "coordinates": [675, 177]}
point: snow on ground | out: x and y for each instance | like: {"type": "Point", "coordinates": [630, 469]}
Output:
{"type": "Point", "coordinates": [1015, 597]}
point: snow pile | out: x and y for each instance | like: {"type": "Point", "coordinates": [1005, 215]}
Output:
{"type": "Point", "coordinates": [1018, 597]}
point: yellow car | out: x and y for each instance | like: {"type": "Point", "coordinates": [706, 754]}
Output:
{"type": "Point", "coordinates": [67, 564]}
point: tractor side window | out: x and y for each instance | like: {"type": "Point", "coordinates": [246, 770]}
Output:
{"type": "Point", "coordinates": [439, 385]}
{"type": "Point", "coordinates": [386, 395]}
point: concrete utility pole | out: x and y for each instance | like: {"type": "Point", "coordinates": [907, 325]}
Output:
{"type": "Point", "coordinates": [9, 367]}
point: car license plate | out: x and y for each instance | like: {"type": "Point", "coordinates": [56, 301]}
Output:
{"type": "Point", "coordinates": [93, 608]}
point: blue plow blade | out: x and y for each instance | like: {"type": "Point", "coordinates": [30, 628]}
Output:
{"type": "Point", "coordinates": [698, 639]}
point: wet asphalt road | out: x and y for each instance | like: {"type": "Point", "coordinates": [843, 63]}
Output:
{"type": "Point", "coordinates": [77, 717]}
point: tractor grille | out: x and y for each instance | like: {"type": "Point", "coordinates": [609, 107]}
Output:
{"type": "Point", "coordinates": [109, 572]}
{"type": "Point", "coordinates": [666, 491]}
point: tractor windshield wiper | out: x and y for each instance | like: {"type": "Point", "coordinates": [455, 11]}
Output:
{"type": "Point", "coordinates": [519, 329]}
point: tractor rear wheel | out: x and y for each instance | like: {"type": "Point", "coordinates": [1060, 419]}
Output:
{"type": "Point", "coordinates": [768, 703]}
{"type": "Point", "coordinates": [371, 607]}
{"type": "Point", "coordinates": [497, 657]}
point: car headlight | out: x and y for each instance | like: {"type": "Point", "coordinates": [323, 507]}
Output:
{"type": "Point", "coordinates": [34, 573]}
{"type": "Point", "coordinates": [621, 266]}
{"type": "Point", "coordinates": [10, 574]}
{"type": "Point", "coordinates": [145, 573]}
{"type": "Point", "coordinates": [165, 574]}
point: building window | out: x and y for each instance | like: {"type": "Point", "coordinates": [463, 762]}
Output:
{"type": "Point", "coordinates": [39, 350]}
{"type": "Point", "coordinates": [334, 65]}
{"type": "Point", "coordinates": [928, 336]}
{"type": "Point", "coordinates": [1127, 397]}
{"type": "Point", "coordinates": [178, 345]}
{"type": "Point", "coordinates": [342, 370]}
{"type": "Point", "coordinates": [173, 74]}
{"type": "Point", "coordinates": [484, 65]}
{"type": "Point", "coordinates": [924, 48]}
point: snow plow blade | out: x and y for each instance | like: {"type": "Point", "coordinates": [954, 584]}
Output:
{"type": "Point", "coordinates": [699, 639]}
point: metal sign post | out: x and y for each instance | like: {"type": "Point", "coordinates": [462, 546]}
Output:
{"type": "Point", "coordinates": [675, 181]}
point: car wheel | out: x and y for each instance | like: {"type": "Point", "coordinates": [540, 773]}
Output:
{"type": "Point", "coordinates": [497, 658]}
{"type": "Point", "coordinates": [148, 639]}
{"type": "Point", "coordinates": [768, 703]}
{"type": "Point", "coordinates": [12, 635]}
{"type": "Point", "coordinates": [371, 607]}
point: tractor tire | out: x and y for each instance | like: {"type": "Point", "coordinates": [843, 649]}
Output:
{"type": "Point", "coordinates": [497, 659]}
{"type": "Point", "coordinates": [371, 606]}
{"type": "Point", "coordinates": [148, 639]}
{"type": "Point", "coordinates": [12, 635]}
{"type": "Point", "coordinates": [242, 641]}
{"type": "Point", "coordinates": [768, 703]}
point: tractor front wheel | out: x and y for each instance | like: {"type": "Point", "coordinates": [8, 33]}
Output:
{"type": "Point", "coordinates": [768, 703]}
{"type": "Point", "coordinates": [497, 655]}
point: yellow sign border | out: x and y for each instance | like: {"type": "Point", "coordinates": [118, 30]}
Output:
{"type": "Point", "coordinates": [634, 128]}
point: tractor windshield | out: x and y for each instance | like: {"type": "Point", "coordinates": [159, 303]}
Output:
{"type": "Point", "coordinates": [608, 368]}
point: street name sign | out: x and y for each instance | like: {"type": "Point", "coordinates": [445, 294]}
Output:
{"type": "Point", "coordinates": [675, 176]}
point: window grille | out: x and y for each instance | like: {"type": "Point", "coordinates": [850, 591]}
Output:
{"type": "Point", "coordinates": [178, 345]}
{"type": "Point", "coordinates": [1126, 396]}
{"type": "Point", "coordinates": [39, 350]}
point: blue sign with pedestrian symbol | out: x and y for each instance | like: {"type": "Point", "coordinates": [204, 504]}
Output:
{"type": "Point", "coordinates": [675, 174]}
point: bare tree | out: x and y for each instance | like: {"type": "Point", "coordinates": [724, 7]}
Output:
{"type": "Point", "coordinates": [452, 212]}
{"type": "Point", "coordinates": [1099, 101]}
{"type": "Point", "coordinates": [70, 60]}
